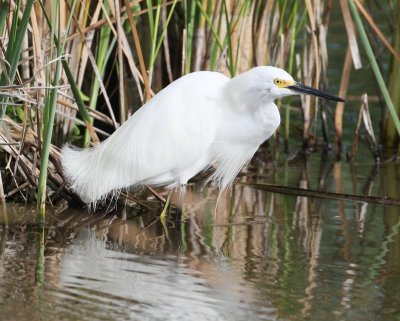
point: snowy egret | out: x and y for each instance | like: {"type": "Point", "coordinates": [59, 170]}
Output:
{"type": "Point", "coordinates": [202, 119]}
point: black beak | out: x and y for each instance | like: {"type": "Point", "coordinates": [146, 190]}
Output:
{"type": "Point", "coordinates": [300, 88]}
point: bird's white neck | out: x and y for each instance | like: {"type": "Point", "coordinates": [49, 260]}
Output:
{"type": "Point", "coordinates": [246, 96]}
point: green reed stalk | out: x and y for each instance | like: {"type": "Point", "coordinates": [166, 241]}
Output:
{"type": "Point", "coordinates": [48, 122]}
{"type": "Point", "coordinates": [156, 44]}
{"type": "Point", "coordinates": [189, 22]}
{"type": "Point", "coordinates": [68, 73]}
{"type": "Point", "coordinates": [282, 9]}
{"type": "Point", "coordinates": [102, 55]}
{"type": "Point", "coordinates": [154, 22]}
{"type": "Point", "coordinates": [394, 83]}
{"type": "Point", "coordinates": [4, 7]}
{"type": "Point", "coordinates": [163, 32]}
{"type": "Point", "coordinates": [17, 35]}
{"type": "Point", "coordinates": [293, 33]}
{"type": "Point", "coordinates": [216, 44]}
{"type": "Point", "coordinates": [374, 65]}
{"type": "Point", "coordinates": [150, 16]}
{"type": "Point", "coordinates": [229, 40]}
{"type": "Point", "coordinates": [13, 52]}
{"type": "Point", "coordinates": [240, 20]}
{"type": "Point", "coordinates": [302, 23]}
{"type": "Point", "coordinates": [50, 105]}
{"type": "Point", "coordinates": [76, 92]}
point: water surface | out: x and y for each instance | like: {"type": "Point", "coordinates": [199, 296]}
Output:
{"type": "Point", "coordinates": [245, 255]}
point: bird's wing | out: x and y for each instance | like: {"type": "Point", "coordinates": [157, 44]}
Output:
{"type": "Point", "coordinates": [168, 139]}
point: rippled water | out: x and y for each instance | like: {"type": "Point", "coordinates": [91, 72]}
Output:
{"type": "Point", "coordinates": [254, 256]}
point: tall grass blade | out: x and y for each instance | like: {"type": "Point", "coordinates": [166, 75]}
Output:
{"type": "Point", "coordinates": [14, 49]}
{"type": "Point", "coordinates": [139, 52]}
{"type": "Point", "coordinates": [119, 26]}
{"type": "Point", "coordinates": [74, 88]}
{"type": "Point", "coordinates": [351, 34]}
{"type": "Point", "coordinates": [391, 136]}
{"type": "Point", "coordinates": [154, 22]}
{"type": "Point", "coordinates": [190, 22]}
{"type": "Point", "coordinates": [4, 8]}
{"type": "Point", "coordinates": [13, 52]}
{"type": "Point", "coordinates": [293, 26]}
{"type": "Point", "coordinates": [102, 58]}
{"type": "Point", "coordinates": [376, 29]}
{"type": "Point", "coordinates": [49, 111]}
{"type": "Point", "coordinates": [374, 65]}
{"type": "Point", "coordinates": [231, 63]}
{"type": "Point", "coordinates": [163, 32]}
{"type": "Point", "coordinates": [210, 24]}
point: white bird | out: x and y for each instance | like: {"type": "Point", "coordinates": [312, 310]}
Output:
{"type": "Point", "coordinates": [202, 119]}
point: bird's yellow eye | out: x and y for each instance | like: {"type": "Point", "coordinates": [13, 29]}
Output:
{"type": "Point", "coordinates": [278, 82]}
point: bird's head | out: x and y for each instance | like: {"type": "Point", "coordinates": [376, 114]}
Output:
{"type": "Point", "coordinates": [267, 83]}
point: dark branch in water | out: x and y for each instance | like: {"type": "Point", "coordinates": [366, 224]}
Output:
{"type": "Point", "coordinates": [321, 194]}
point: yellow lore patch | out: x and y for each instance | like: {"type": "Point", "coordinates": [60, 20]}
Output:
{"type": "Point", "coordinates": [281, 83]}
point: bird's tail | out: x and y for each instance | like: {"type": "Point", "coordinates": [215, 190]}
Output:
{"type": "Point", "coordinates": [81, 171]}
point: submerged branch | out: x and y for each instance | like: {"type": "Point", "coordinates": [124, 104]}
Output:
{"type": "Point", "coordinates": [322, 194]}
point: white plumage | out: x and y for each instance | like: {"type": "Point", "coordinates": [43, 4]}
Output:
{"type": "Point", "coordinates": [201, 119]}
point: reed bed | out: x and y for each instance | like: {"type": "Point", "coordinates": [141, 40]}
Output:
{"type": "Point", "coordinates": [75, 70]}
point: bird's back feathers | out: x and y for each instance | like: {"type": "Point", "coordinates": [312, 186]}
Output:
{"type": "Point", "coordinates": [166, 142]}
